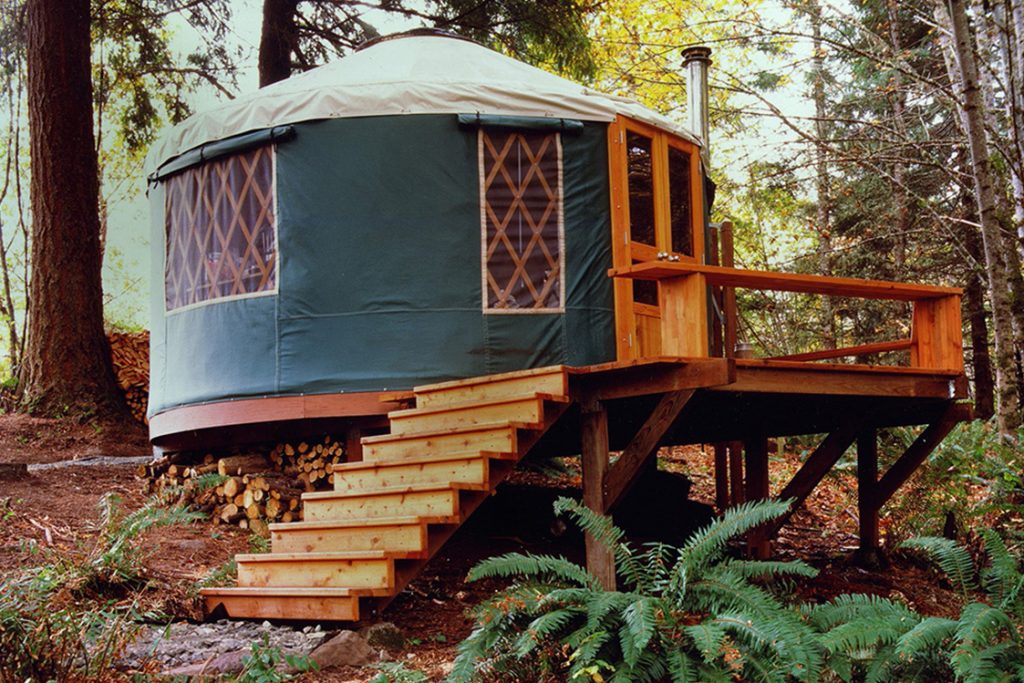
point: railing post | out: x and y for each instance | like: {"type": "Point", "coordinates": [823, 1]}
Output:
{"type": "Point", "coordinates": [937, 334]}
{"type": "Point", "coordinates": [728, 293]}
{"type": "Point", "coordinates": [684, 319]}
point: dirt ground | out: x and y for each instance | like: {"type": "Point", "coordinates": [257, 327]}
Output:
{"type": "Point", "coordinates": [58, 508]}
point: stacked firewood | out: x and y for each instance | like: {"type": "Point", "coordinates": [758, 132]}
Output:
{"type": "Point", "coordinates": [254, 489]}
{"type": "Point", "coordinates": [311, 463]}
{"type": "Point", "coordinates": [130, 354]}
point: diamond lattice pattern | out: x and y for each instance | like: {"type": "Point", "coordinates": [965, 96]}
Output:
{"type": "Point", "coordinates": [522, 183]}
{"type": "Point", "coordinates": [220, 229]}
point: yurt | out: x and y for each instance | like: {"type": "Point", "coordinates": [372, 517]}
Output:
{"type": "Point", "coordinates": [424, 209]}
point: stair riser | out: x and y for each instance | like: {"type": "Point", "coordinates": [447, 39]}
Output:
{"type": "Point", "coordinates": [305, 608]}
{"type": "Point", "coordinates": [467, 471]}
{"type": "Point", "coordinates": [318, 573]}
{"type": "Point", "coordinates": [515, 387]}
{"type": "Point", "coordinates": [411, 538]}
{"type": "Point", "coordinates": [527, 410]}
{"type": "Point", "coordinates": [420, 504]}
{"type": "Point", "coordinates": [501, 440]}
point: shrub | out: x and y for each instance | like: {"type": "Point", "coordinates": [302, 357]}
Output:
{"type": "Point", "coordinates": [56, 624]}
{"type": "Point", "coordinates": [689, 613]}
{"type": "Point", "coordinates": [886, 641]}
{"type": "Point", "coordinates": [266, 664]}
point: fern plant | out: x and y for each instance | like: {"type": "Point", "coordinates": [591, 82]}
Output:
{"type": "Point", "coordinates": [886, 641]}
{"type": "Point", "coordinates": [683, 614]}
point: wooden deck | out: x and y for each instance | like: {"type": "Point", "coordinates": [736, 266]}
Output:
{"type": "Point", "coordinates": [450, 444]}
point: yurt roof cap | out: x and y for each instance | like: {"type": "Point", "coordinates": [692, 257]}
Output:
{"type": "Point", "coordinates": [419, 72]}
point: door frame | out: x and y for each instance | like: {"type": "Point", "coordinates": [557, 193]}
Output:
{"type": "Point", "coordinates": [625, 252]}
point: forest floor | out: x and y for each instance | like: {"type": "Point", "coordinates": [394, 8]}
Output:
{"type": "Point", "coordinates": [57, 508]}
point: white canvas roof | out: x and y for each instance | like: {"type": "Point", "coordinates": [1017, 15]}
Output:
{"type": "Point", "coordinates": [414, 74]}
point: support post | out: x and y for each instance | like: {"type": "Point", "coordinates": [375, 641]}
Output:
{"type": "Point", "coordinates": [756, 456]}
{"type": "Point", "coordinates": [736, 472]}
{"type": "Point", "coordinates": [721, 476]}
{"type": "Point", "coordinates": [353, 444]}
{"type": "Point", "coordinates": [867, 501]}
{"type": "Point", "coordinates": [594, 461]}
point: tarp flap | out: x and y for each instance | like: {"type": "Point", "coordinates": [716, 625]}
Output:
{"type": "Point", "coordinates": [525, 122]}
{"type": "Point", "coordinates": [222, 148]}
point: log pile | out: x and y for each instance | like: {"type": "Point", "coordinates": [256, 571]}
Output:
{"type": "Point", "coordinates": [254, 489]}
{"type": "Point", "coordinates": [130, 354]}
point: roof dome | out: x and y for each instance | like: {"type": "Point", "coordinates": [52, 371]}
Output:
{"type": "Point", "coordinates": [414, 73]}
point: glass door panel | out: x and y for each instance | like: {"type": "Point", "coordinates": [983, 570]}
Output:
{"type": "Point", "coordinates": [680, 201]}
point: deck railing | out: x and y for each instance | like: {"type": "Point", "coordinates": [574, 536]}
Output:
{"type": "Point", "coordinates": [936, 341]}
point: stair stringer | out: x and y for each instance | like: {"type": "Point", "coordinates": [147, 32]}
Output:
{"type": "Point", "coordinates": [469, 501]}
{"type": "Point", "coordinates": [287, 590]}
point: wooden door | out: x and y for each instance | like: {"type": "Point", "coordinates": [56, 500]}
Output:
{"type": "Point", "coordinates": [657, 215]}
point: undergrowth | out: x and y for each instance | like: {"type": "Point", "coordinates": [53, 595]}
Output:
{"type": "Point", "coordinates": [71, 618]}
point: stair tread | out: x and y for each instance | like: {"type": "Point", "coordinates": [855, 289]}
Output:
{"type": "Point", "coordinates": [409, 488]}
{"type": "Point", "coordinates": [420, 460]}
{"type": "Point", "coordinates": [329, 556]}
{"type": "Point", "coordinates": [485, 379]}
{"type": "Point", "coordinates": [466, 405]}
{"type": "Point", "coordinates": [286, 591]}
{"type": "Point", "coordinates": [408, 520]}
{"type": "Point", "coordinates": [450, 431]}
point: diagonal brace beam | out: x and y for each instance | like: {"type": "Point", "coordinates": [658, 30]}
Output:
{"type": "Point", "coordinates": [919, 451]}
{"type": "Point", "coordinates": [621, 473]}
{"type": "Point", "coordinates": [814, 469]}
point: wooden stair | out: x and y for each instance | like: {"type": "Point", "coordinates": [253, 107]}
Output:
{"type": "Point", "coordinates": [362, 543]}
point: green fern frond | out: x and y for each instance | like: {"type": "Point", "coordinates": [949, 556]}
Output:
{"type": "Point", "coordinates": [950, 556]}
{"type": "Point", "coordinates": [545, 567]}
{"type": "Point", "coordinates": [990, 664]}
{"type": "Point", "coordinates": [708, 636]}
{"type": "Point", "coordinates": [541, 629]}
{"type": "Point", "coordinates": [858, 606]}
{"type": "Point", "coordinates": [708, 544]}
{"type": "Point", "coordinates": [641, 621]}
{"type": "Point", "coordinates": [881, 668]}
{"type": "Point", "coordinates": [680, 668]}
{"type": "Point", "coordinates": [604, 531]}
{"type": "Point", "coordinates": [1002, 578]}
{"type": "Point", "coordinates": [980, 625]}
{"type": "Point", "coordinates": [926, 637]}
{"type": "Point", "coordinates": [756, 569]}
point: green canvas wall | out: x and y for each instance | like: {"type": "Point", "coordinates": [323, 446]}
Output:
{"type": "Point", "coordinates": [379, 273]}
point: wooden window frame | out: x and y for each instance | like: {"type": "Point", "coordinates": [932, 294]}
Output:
{"type": "Point", "coordinates": [271, 150]}
{"type": "Point", "coordinates": [485, 238]}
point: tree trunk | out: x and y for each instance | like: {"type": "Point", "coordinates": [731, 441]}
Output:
{"type": "Point", "coordinates": [974, 298]}
{"type": "Point", "coordinates": [824, 190]}
{"type": "Point", "coordinates": [999, 291]}
{"type": "Point", "coordinates": [899, 171]}
{"type": "Point", "coordinates": [66, 365]}
{"type": "Point", "coordinates": [277, 40]}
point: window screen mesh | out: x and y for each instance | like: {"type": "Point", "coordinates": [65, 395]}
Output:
{"type": "Point", "coordinates": [220, 229]}
{"type": "Point", "coordinates": [522, 192]}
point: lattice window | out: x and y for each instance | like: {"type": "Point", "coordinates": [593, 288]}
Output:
{"type": "Point", "coordinates": [521, 196]}
{"type": "Point", "coordinates": [220, 223]}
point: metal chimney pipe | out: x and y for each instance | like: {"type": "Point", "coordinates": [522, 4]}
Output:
{"type": "Point", "coordinates": [696, 61]}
